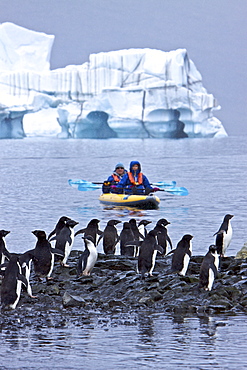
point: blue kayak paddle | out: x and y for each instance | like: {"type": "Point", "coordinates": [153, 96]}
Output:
{"type": "Point", "coordinates": [167, 186]}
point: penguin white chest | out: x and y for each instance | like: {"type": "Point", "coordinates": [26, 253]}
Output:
{"type": "Point", "coordinates": [210, 279]}
{"type": "Point", "coordinates": [216, 260]}
{"type": "Point", "coordinates": [227, 238]}
{"type": "Point", "coordinates": [92, 258]}
{"type": "Point", "coordinates": [153, 262]}
{"type": "Point", "coordinates": [141, 230]}
{"type": "Point", "coordinates": [18, 291]}
{"type": "Point", "coordinates": [186, 261]}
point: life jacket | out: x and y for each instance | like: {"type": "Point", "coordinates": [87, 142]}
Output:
{"type": "Point", "coordinates": [115, 178]}
{"type": "Point", "coordinates": [132, 180]}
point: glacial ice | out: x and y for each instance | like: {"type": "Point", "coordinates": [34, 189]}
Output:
{"type": "Point", "coordinates": [132, 93]}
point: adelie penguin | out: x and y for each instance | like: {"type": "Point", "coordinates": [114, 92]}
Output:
{"type": "Point", "coordinates": [88, 257]}
{"type": "Point", "coordinates": [138, 236]}
{"type": "Point", "coordinates": [25, 260]}
{"type": "Point", "coordinates": [209, 268]}
{"type": "Point", "coordinates": [163, 237]}
{"type": "Point", "coordinates": [134, 228]}
{"type": "Point", "coordinates": [60, 224]}
{"type": "Point", "coordinates": [224, 235]}
{"type": "Point", "coordinates": [181, 255]}
{"type": "Point", "coordinates": [91, 229]}
{"type": "Point", "coordinates": [110, 237]}
{"type": "Point", "coordinates": [4, 253]}
{"type": "Point", "coordinates": [65, 239]}
{"type": "Point", "coordinates": [126, 235]}
{"type": "Point", "coordinates": [43, 255]}
{"type": "Point", "coordinates": [142, 227]}
{"type": "Point", "coordinates": [147, 255]}
{"type": "Point", "coordinates": [11, 283]}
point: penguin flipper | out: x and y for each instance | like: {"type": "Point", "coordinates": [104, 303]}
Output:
{"type": "Point", "coordinates": [57, 251]}
{"type": "Point", "coordinates": [141, 236]}
{"type": "Point", "coordinates": [51, 233]}
{"type": "Point", "coordinates": [132, 243]}
{"type": "Point", "coordinates": [159, 248]}
{"type": "Point", "coordinates": [169, 241]}
{"type": "Point", "coordinates": [82, 262]}
{"type": "Point", "coordinates": [7, 254]}
{"type": "Point", "coordinates": [220, 231]}
{"type": "Point", "coordinates": [101, 236]}
{"type": "Point", "coordinates": [22, 279]}
{"type": "Point", "coordinates": [54, 238]}
{"type": "Point", "coordinates": [172, 251]}
{"type": "Point", "coordinates": [81, 231]}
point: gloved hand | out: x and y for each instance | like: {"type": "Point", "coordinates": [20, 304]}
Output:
{"type": "Point", "coordinates": [156, 189]}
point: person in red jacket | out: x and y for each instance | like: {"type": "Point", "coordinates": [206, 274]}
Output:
{"type": "Point", "coordinates": [134, 181]}
{"type": "Point", "coordinates": [115, 178]}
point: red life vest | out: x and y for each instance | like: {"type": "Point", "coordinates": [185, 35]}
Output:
{"type": "Point", "coordinates": [116, 178]}
{"type": "Point", "coordinates": [132, 180]}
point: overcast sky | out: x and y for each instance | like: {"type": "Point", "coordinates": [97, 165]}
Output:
{"type": "Point", "coordinates": [214, 32]}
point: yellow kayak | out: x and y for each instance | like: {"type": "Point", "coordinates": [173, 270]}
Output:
{"type": "Point", "coordinates": [138, 201]}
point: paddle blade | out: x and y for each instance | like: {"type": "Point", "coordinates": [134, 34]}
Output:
{"type": "Point", "coordinates": [83, 185]}
{"type": "Point", "coordinates": [176, 190]}
{"type": "Point", "coordinates": [164, 184]}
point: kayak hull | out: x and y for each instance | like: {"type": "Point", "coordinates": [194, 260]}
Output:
{"type": "Point", "coordinates": [137, 201]}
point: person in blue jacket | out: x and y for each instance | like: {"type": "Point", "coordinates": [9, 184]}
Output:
{"type": "Point", "coordinates": [134, 181]}
{"type": "Point", "coordinates": [115, 178]}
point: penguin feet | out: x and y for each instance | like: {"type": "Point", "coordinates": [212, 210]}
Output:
{"type": "Point", "coordinates": [64, 264]}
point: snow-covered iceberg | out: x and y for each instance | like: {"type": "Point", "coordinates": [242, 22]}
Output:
{"type": "Point", "coordinates": [133, 93]}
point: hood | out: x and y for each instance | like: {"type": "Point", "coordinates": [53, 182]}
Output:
{"type": "Point", "coordinates": [132, 164]}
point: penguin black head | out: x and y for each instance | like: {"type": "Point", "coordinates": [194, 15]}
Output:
{"type": "Point", "coordinates": [228, 217]}
{"type": "Point", "coordinates": [3, 233]}
{"type": "Point", "coordinates": [213, 248]}
{"type": "Point", "coordinates": [71, 223]}
{"type": "Point", "coordinates": [132, 221]}
{"type": "Point", "coordinates": [163, 222]}
{"type": "Point", "coordinates": [126, 225]}
{"type": "Point", "coordinates": [94, 221]}
{"type": "Point", "coordinates": [40, 234]}
{"type": "Point", "coordinates": [154, 233]}
{"type": "Point", "coordinates": [187, 237]}
{"type": "Point", "coordinates": [113, 222]}
{"type": "Point", "coordinates": [64, 218]}
{"type": "Point", "coordinates": [144, 222]}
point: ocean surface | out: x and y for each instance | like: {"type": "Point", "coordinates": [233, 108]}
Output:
{"type": "Point", "coordinates": [35, 193]}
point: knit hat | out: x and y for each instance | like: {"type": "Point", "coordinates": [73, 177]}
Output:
{"type": "Point", "coordinates": [119, 165]}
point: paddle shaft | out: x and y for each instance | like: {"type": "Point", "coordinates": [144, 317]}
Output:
{"type": "Point", "coordinates": [84, 185]}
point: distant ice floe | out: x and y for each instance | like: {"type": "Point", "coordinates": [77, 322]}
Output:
{"type": "Point", "coordinates": [132, 93]}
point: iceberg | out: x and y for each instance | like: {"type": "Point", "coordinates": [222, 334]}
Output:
{"type": "Point", "coordinates": [130, 93]}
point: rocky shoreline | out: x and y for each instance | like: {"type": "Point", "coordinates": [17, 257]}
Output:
{"type": "Point", "coordinates": [114, 288]}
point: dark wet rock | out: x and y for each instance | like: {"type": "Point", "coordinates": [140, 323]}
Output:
{"type": "Point", "coordinates": [114, 287]}
{"type": "Point", "coordinates": [70, 300]}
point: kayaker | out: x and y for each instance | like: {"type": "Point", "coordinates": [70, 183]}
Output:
{"type": "Point", "coordinates": [115, 178]}
{"type": "Point", "coordinates": [134, 182]}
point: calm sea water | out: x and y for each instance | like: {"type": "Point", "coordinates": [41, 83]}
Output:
{"type": "Point", "coordinates": [34, 193]}
{"type": "Point", "coordinates": [34, 189]}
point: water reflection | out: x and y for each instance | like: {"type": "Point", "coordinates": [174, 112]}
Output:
{"type": "Point", "coordinates": [146, 329]}
{"type": "Point", "coordinates": [141, 340]}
